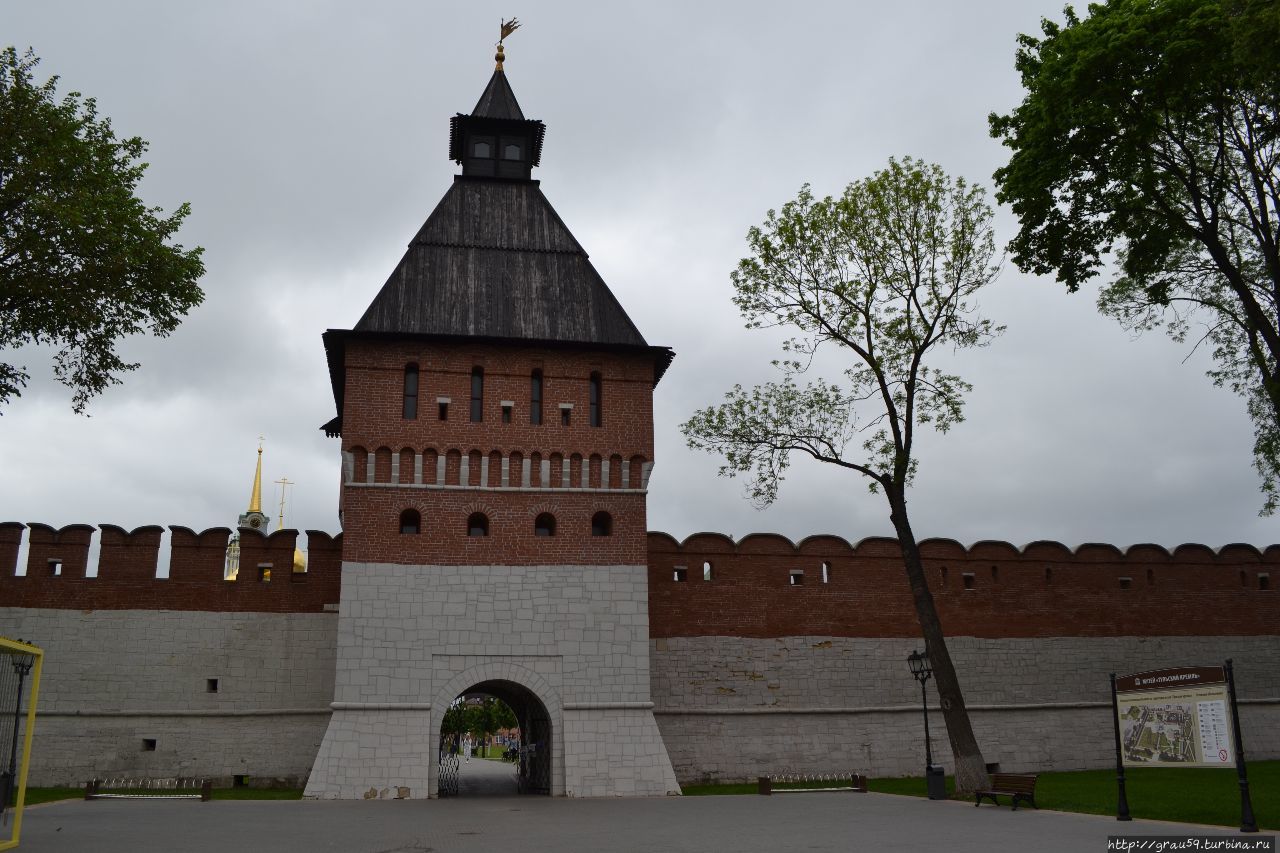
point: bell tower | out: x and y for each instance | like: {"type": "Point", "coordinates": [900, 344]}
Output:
{"type": "Point", "coordinates": [495, 410]}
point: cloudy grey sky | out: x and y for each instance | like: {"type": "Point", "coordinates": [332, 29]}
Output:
{"type": "Point", "coordinates": [311, 140]}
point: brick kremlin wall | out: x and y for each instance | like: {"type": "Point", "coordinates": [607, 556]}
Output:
{"type": "Point", "coordinates": [990, 589]}
{"type": "Point", "coordinates": [748, 672]}
{"type": "Point", "coordinates": [751, 674]}
{"type": "Point", "coordinates": [226, 678]}
{"type": "Point", "coordinates": [127, 561]}
{"type": "Point", "coordinates": [1041, 590]}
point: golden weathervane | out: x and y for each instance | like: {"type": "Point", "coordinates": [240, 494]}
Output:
{"type": "Point", "coordinates": [508, 27]}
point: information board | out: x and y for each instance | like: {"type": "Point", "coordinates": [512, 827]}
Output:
{"type": "Point", "coordinates": [1175, 718]}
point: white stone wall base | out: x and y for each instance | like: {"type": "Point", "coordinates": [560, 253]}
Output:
{"type": "Point", "coordinates": [374, 754]}
{"type": "Point", "coordinates": [384, 754]}
{"type": "Point", "coordinates": [732, 748]}
{"type": "Point", "coordinates": [616, 753]}
{"type": "Point", "coordinates": [274, 748]}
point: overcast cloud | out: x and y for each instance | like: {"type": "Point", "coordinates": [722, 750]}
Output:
{"type": "Point", "coordinates": [311, 140]}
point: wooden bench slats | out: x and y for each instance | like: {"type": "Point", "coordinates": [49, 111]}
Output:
{"type": "Point", "coordinates": [1017, 786]}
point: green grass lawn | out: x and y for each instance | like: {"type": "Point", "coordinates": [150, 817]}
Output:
{"type": "Point", "coordinates": [492, 752]}
{"type": "Point", "coordinates": [752, 788]}
{"type": "Point", "coordinates": [36, 796]}
{"type": "Point", "coordinates": [1190, 795]}
{"type": "Point", "coordinates": [49, 795]}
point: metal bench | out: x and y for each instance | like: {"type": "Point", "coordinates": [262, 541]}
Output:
{"type": "Point", "coordinates": [1017, 786]}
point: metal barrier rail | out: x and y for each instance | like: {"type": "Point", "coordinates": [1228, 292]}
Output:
{"type": "Point", "coordinates": [177, 788]}
{"type": "Point", "coordinates": [811, 782]}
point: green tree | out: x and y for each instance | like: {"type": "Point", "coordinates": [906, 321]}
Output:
{"type": "Point", "coordinates": [501, 716]}
{"type": "Point", "coordinates": [1149, 129]}
{"type": "Point", "coordinates": [887, 273]}
{"type": "Point", "coordinates": [83, 262]}
{"type": "Point", "coordinates": [454, 722]}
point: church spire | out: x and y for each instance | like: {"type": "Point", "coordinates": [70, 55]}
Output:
{"type": "Point", "coordinates": [253, 518]}
{"type": "Point", "coordinates": [255, 497]}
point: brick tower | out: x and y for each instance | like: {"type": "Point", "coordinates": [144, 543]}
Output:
{"type": "Point", "coordinates": [495, 409]}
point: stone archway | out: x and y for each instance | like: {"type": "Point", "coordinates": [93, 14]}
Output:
{"type": "Point", "coordinates": [537, 706]}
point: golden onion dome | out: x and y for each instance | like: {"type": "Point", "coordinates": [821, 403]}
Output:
{"type": "Point", "coordinates": [299, 560]}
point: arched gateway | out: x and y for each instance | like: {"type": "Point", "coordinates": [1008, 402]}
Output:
{"type": "Point", "coordinates": [495, 405]}
{"type": "Point", "coordinates": [538, 709]}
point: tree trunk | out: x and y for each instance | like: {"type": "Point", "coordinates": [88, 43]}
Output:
{"type": "Point", "coordinates": [971, 769]}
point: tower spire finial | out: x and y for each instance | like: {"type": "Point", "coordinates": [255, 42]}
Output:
{"type": "Point", "coordinates": [508, 27]}
{"type": "Point", "coordinates": [255, 497]}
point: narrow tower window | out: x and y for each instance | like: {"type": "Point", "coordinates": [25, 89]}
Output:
{"type": "Point", "coordinates": [601, 524]}
{"type": "Point", "coordinates": [595, 400]}
{"type": "Point", "coordinates": [410, 521]}
{"type": "Point", "coordinates": [477, 394]}
{"type": "Point", "coordinates": [544, 525]}
{"type": "Point", "coordinates": [535, 397]}
{"type": "Point", "coordinates": [410, 391]}
{"type": "Point", "coordinates": [478, 524]}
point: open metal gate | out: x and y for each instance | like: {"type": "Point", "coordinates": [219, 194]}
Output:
{"type": "Point", "coordinates": [447, 778]}
{"type": "Point", "coordinates": [535, 757]}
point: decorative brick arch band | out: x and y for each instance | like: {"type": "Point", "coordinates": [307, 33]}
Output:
{"type": "Point", "coordinates": [521, 676]}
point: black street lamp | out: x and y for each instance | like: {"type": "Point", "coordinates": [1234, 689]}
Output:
{"type": "Point", "coordinates": [921, 671]}
{"type": "Point", "coordinates": [8, 784]}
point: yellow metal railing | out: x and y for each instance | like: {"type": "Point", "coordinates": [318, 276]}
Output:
{"type": "Point", "coordinates": [12, 651]}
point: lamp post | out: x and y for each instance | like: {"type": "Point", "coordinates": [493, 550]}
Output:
{"type": "Point", "coordinates": [22, 668]}
{"type": "Point", "coordinates": [921, 671]}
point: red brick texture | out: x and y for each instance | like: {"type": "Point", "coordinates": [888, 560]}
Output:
{"type": "Point", "coordinates": [372, 521]}
{"type": "Point", "coordinates": [1042, 590]}
{"type": "Point", "coordinates": [127, 565]}
{"type": "Point", "coordinates": [372, 417]}
{"type": "Point", "coordinates": [374, 426]}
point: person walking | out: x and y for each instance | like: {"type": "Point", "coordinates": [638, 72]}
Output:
{"type": "Point", "coordinates": [466, 748]}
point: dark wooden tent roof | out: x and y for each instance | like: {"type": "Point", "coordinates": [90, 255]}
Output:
{"type": "Point", "coordinates": [498, 101]}
{"type": "Point", "coordinates": [494, 262]}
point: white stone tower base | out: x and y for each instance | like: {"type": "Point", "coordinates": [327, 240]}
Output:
{"type": "Point", "coordinates": [571, 640]}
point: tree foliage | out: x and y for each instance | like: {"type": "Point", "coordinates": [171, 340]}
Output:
{"type": "Point", "coordinates": [83, 262]}
{"type": "Point", "coordinates": [887, 273]}
{"type": "Point", "coordinates": [1150, 130]}
{"type": "Point", "coordinates": [480, 719]}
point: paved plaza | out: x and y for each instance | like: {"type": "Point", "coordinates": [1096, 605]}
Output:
{"type": "Point", "coordinates": [479, 822]}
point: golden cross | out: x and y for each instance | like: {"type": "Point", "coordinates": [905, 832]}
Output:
{"type": "Point", "coordinates": [284, 483]}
